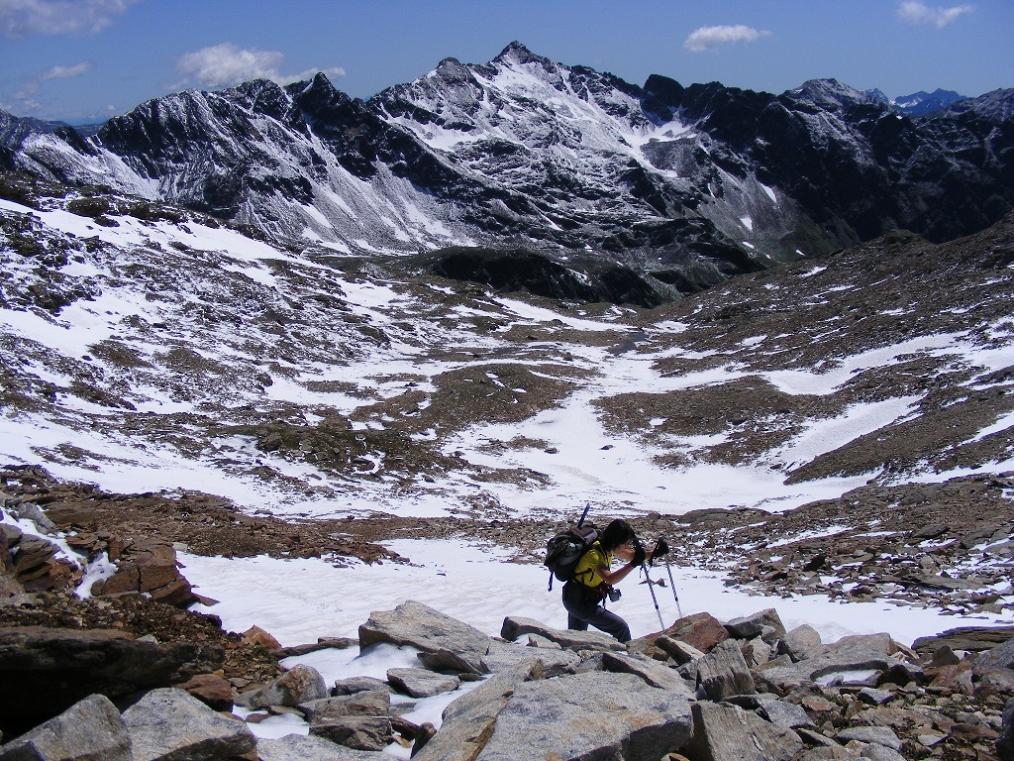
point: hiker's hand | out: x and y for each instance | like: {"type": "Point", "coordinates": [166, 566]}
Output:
{"type": "Point", "coordinates": [638, 556]}
{"type": "Point", "coordinates": [661, 549]}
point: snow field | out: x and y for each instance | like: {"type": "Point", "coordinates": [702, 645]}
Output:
{"type": "Point", "coordinates": [298, 601]}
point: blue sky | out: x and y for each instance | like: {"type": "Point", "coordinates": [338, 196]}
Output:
{"type": "Point", "coordinates": [87, 59]}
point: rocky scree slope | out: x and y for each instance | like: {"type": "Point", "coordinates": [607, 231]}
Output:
{"type": "Point", "coordinates": [690, 183]}
{"type": "Point", "coordinates": [161, 340]}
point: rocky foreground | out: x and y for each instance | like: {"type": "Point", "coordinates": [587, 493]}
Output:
{"type": "Point", "coordinates": [700, 690]}
{"type": "Point", "coordinates": [126, 671]}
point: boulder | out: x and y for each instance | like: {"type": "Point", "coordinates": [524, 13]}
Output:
{"type": "Point", "coordinates": [446, 660]}
{"type": "Point", "coordinates": [147, 567]}
{"type": "Point", "coordinates": [212, 690]}
{"type": "Point", "coordinates": [255, 635]}
{"type": "Point", "coordinates": [876, 752]}
{"type": "Point", "coordinates": [1005, 742]}
{"type": "Point", "coordinates": [171, 725]}
{"type": "Point", "coordinates": [360, 732]}
{"type": "Point", "coordinates": [308, 748]}
{"type": "Point", "coordinates": [679, 651]}
{"type": "Point", "coordinates": [90, 730]}
{"type": "Point", "coordinates": [975, 639]}
{"type": "Point", "coordinates": [801, 643]}
{"type": "Point", "coordinates": [757, 652]}
{"type": "Point", "coordinates": [748, 627]}
{"type": "Point", "coordinates": [842, 666]}
{"type": "Point", "coordinates": [652, 672]}
{"type": "Point", "coordinates": [874, 697]}
{"type": "Point", "coordinates": [775, 710]}
{"type": "Point", "coordinates": [594, 715]}
{"type": "Point", "coordinates": [879, 735]}
{"type": "Point", "coordinates": [358, 684]}
{"type": "Point", "coordinates": [505, 656]}
{"type": "Point", "coordinates": [35, 565]}
{"type": "Point", "coordinates": [469, 720]}
{"type": "Point", "coordinates": [999, 657]}
{"type": "Point", "coordinates": [724, 672]}
{"type": "Point", "coordinates": [515, 627]}
{"type": "Point", "coordinates": [902, 673]}
{"type": "Point", "coordinates": [371, 703]}
{"type": "Point", "coordinates": [420, 683]}
{"type": "Point", "coordinates": [55, 668]}
{"type": "Point", "coordinates": [702, 630]}
{"type": "Point", "coordinates": [301, 684]}
{"type": "Point", "coordinates": [428, 630]}
{"type": "Point", "coordinates": [728, 733]}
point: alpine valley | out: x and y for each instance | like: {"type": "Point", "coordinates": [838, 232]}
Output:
{"type": "Point", "coordinates": [321, 370]}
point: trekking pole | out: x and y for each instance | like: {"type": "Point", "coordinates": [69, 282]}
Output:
{"type": "Point", "coordinates": [651, 588]}
{"type": "Point", "coordinates": [672, 584]}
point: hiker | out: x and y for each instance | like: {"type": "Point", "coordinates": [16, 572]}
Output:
{"type": "Point", "coordinates": [593, 579]}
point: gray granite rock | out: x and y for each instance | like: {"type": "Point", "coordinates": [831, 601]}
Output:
{"type": "Point", "coordinates": [801, 643]}
{"type": "Point", "coordinates": [826, 665]}
{"type": "Point", "coordinates": [551, 718]}
{"type": "Point", "coordinates": [421, 683]}
{"type": "Point", "coordinates": [652, 672]}
{"type": "Point", "coordinates": [90, 730]}
{"type": "Point", "coordinates": [360, 732]}
{"type": "Point", "coordinates": [428, 630]}
{"type": "Point", "coordinates": [775, 710]}
{"type": "Point", "coordinates": [308, 748]}
{"type": "Point", "coordinates": [367, 703]}
{"type": "Point", "coordinates": [879, 735]}
{"type": "Point", "coordinates": [358, 684]}
{"type": "Point", "coordinates": [999, 657]}
{"type": "Point", "coordinates": [469, 720]}
{"type": "Point", "coordinates": [875, 697]}
{"type": "Point", "coordinates": [516, 626]}
{"type": "Point", "coordinates": [748, 627]}
{"type": "Point", "coordinates": [724, 672]}
{"type": "Point", "coordinates": [725, 732]}
{"type": "Point", "coordinates": [505, 656]}
{"type": "Point", "coordinates": [169, 724]}
{"type": "Point", "coordinates": [680, 651]}
{"type": "Point", "coordinates": [300, 684]}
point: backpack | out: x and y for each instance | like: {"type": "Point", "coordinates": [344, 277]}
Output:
{"type": "Point", "coordinates": [565, 549]}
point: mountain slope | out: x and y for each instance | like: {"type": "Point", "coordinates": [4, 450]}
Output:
{"type": "Point", "coordinates": [689, 183]}
{"type": "Point", "coordinates": [143, 344]}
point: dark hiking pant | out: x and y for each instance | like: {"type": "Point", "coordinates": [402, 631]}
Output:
{"type": "Point", "coordinates": [584, 607]}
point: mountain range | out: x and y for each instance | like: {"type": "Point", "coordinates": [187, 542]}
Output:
{"type": "Point", "coordinates": [686, 184]}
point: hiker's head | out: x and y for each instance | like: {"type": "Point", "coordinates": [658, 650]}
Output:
{"type": "Point", "coordinates": [617, 533]}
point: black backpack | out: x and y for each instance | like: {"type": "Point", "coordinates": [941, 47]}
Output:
{"type": "Point", "coordinates": [565, 549]}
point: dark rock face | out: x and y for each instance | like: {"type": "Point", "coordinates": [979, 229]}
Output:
{"type": "Point", "coordinates": [519, 270]}
{"type": "Point", "coordinates": [695, 183]}
{"type": "Point", "coordinates": [54, 668]}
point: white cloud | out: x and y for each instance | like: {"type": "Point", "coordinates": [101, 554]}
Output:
{"type": "Point", "coordinates": [24, 18]}
{"type": "Point", "coordinates": [706, 37]}
{"type": "Point", "coordinates": [225, 64]}
{"type": "Point", "coordinates": [65, 72]}
{"type": "Point", "coordinates": [920, 14]}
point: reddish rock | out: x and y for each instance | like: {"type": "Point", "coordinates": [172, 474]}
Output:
{"type": "Point", "coordinates": [257, 636]}
{"type": "Point", "coordinates": [146, 567]}
{"type": "Point", "coordinates": [212, 690]}
{"type": "Point", "coordinates": [702, 630]}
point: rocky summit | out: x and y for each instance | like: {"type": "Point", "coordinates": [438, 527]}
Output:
{"type": "Point", "coordinates": [688, 183]}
